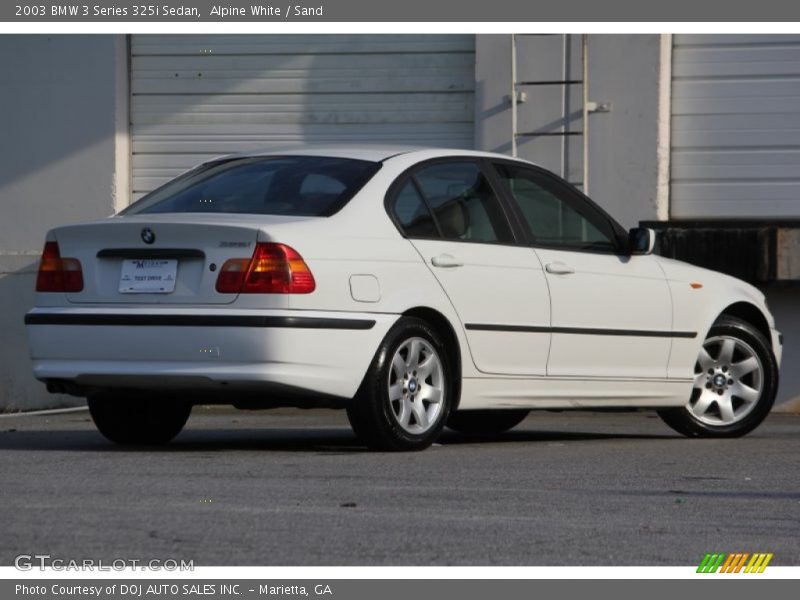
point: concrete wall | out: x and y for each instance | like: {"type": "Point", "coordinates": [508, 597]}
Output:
{"type": "Point", "coordinates": [783, 302]}
{"type": "Point", "coordinates": [492, 86]}
{"type": "Point", "coordinates": [58, 99]}
{"type": "Point", "coordinates": [623, 143]}
{"type": "Point", "coordinates": [622, 69]}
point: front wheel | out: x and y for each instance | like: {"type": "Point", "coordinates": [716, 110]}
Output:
{"type": "Point", "coordinates": [128, 419]}
{"type": "Point", "coordinates": [735, 382]}
{"type": "Point", "coordinates": [405, 398]}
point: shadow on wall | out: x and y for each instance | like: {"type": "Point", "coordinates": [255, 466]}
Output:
{"type": "Point", "coordinates": [18, 387]}
{"type": "Point", "coordinates": [52, 92]}
{"type": "Point", "coordinates": [782, 302]}
{"type": "Point", "coordinates": [57, 117]}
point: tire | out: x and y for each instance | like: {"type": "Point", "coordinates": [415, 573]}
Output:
{"type": "Point", "coordinates": [386, 413]}
{"type": "Point", "coordinates": [728, 400]}
{"type": "Point", "coordinates": [130, 420]}
{"type": "Point", "coordinates": [485, 422]}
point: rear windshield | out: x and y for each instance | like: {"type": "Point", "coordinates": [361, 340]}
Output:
{"type": "Point", "coordinates": [294, 185]}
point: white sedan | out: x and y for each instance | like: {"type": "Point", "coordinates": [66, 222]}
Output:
{"type": "Point", "coordinates": [416, 289]}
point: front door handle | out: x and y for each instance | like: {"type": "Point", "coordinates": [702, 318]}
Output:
{"type": "Point", "coordinates": [559, 268]}
{"type": "Point", "coordinates": [446, 261]}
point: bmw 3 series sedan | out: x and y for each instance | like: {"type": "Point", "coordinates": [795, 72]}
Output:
{"type": "Point", "coordinates": [415, 288]}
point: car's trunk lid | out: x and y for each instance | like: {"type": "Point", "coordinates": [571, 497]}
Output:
{"type": "Point", "coordinates": [186, 251]}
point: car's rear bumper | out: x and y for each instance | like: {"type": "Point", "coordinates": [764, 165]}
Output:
{"type": "Point", "coordinates": [205, 349]}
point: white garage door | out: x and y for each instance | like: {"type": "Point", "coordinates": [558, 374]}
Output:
{"type": "Point", "coordinates": [736, 126]}
{"type": "Point", "coordinates": [196, 97]}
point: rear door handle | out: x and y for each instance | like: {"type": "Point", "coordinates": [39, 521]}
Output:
{"type": "Point", "coordinates": [559, 268]}
{"type": "Point", "coordinates": [446, 261]}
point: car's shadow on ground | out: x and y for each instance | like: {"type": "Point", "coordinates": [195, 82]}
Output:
{"type": "Point", "coordinates": [320, 440]}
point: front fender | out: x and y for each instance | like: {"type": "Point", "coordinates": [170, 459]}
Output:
{"type": "Point", "coordinates": [699, 297]}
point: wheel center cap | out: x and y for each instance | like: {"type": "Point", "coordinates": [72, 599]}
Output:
{"type": "Point", "coordinates": [719, 380]}
{"type": "Point", "coordinates": [412, 385]}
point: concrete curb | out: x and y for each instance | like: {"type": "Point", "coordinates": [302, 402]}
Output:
{"type": "Point", "coordinates": [36, 413]}
{"type": "Point", "coordinates": [791, 407]}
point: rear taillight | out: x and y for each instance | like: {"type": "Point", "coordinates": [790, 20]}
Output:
{"type": "Point", "coordinates": [273, 269]}
{"type": "Point", "coordinates": [58, 274]}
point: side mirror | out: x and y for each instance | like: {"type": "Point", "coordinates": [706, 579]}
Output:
{"type": "Point", "coordinates": [641, 241]}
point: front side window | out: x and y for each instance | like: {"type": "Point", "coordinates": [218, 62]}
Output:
{"type": "Point", "coordinates": [290, 185]}
{"type": "Point", "coordinates": [555, 215]}
{"type": "Point", "coordinates": [463, 203]}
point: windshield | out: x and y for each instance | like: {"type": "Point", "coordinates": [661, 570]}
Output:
{"type": "Point", "coordinates": [287, 185]}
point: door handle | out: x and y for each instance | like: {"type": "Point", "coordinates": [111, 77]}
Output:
{"type": "Point", "coordinates": [559, 268]}
{"type": "Point", "coordinates": [446, 261]}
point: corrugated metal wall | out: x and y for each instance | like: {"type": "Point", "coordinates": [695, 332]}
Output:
{"type": "Point", "coordinates": [735, 126]}
{"type": "Point", "coordinates": [195, 97]}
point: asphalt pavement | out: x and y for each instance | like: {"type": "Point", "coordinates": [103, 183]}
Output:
{"type": "Point", "coordinates": [293, 487]}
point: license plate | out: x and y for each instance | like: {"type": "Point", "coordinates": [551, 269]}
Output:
{"type": "Point", "coordinates": [148, 276]}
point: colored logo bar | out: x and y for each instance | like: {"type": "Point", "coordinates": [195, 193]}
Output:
{"type": "Point", "coordinates": [734, 562]}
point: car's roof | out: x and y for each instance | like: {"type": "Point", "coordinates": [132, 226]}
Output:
{"type": "Point", "coordinates": [370, 152]}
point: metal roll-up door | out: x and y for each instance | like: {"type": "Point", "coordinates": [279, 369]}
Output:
{"type": "Point", "coordinates": [194, 97]}
{"type": "Point", "coordinates": [735, 126]}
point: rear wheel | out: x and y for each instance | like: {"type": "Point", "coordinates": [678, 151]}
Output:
{"type": "Point", "coordinates": [128, 419]}
{"type": "Point", "coordinates": [735, 381]}
{"type": "Point", "coordinates": [405, 398]}
{"type": "Point", "coordinates": [485, 422]}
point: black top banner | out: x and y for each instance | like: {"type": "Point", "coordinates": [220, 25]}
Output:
{"type": "Point", "coordinates": [405, 11]}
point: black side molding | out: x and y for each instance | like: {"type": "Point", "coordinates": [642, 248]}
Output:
{"type": "Point", "coordinates": [581, 330]}
{"type": "Point", "coordinates": [197, 321]}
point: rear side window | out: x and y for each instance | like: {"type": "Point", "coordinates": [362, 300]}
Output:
{"type": "Point", "coordinates": [461, 200]}
{"type": "Point", "coordinates": [293, 186]}
{"type": "Point", "coordinates": [413, 214]}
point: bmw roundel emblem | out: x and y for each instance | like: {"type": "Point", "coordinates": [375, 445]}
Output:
{"type": "Point", "coordinates": [148, 237]}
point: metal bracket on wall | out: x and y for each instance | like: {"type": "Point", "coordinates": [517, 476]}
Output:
{"type": "Point", "coordinates": [521, 98]}
{"type": "Point", "coordinates": [598, 107]}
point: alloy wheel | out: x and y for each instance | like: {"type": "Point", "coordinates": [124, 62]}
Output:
{"type": "Point", "coordinates": [728, 381]}
{"type": "Point", "coordinates": [416, 386]}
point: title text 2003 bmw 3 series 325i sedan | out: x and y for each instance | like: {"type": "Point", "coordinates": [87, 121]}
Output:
{"type": "Point", "coordinates": [418, 289]}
